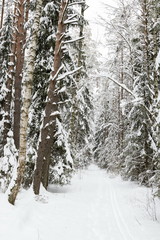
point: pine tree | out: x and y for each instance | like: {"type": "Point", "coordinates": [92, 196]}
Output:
{"type": "Point", "coordinates": [43, 67]}
{"type": "Point", "coordinates": [141, 147]}
{"type": "Point", "coordinates": [80, 99]}
{"type": "Point", "coordinates": [5, 118]}
{"type": "Point", "coordinates": [49, 127]}
{"type": "Point", "coordinates": [119, 67]}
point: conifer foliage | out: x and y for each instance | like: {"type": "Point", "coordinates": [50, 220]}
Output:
{"type": "Point", "coordinates": [134, 80]}
{"type": "Point", "coordinates": [43, 65]}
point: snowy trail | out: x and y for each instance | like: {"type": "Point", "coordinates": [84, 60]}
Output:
{"type": "Point", "coordinates": [93, 207]}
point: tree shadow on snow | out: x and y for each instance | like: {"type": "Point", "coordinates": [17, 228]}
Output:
{"type": "Point", "coordinates": [53, 188]}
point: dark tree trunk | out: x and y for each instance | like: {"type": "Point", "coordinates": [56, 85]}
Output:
{"type": "Point", "coordinates": [147, 69]}
{"type": "Point", "coordinates": [80, 43]}
{"type": "Point", "coordinates": [51, 111]}
{"type": "Point", "coordinates": [2, 13]}
{"type": "Point", "coordinates": [120, 97]}
{"type": "Point", "coordinates": [80, 63]}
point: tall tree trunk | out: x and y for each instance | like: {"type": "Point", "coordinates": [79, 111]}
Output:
{"type": "Point", "coordinates": [156, 40]}
{"type": "Point", "coordinates": [146, 59]}
{"type": "Point", "coordinates": [30, 55]}
{"type": "Point", "coordinates": [80, 62]}
{"type": "Point", "coordinates": [80, 42]}
{"type": "Point", "coordinates": [47, 134]}
{"type": "Point", "coordinates": [120, 97]}
{"type": "Point", "coordinates": [147, 96]}
{"type": "Point", "coordinates": [2, 13]}
{"type": "Point", "coordinates": [19, 66]}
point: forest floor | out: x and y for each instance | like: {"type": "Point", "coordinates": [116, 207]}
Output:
{"type": "Point", "coordinates": [95, 206]}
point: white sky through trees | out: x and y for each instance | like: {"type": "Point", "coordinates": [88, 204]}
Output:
{"type": "Point", "coordinates": [96, 10]}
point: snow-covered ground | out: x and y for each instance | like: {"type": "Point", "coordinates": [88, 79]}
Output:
{"type": "Point", "coordinates": [94, 207]}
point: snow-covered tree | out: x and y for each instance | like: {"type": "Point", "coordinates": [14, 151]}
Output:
{"type": "Point", "coordinates": [30, 55]}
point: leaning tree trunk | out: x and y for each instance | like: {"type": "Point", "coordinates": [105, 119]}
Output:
{"type": "Point", "coordinates": [2, 13]}
{"type": "Point", "coordinates": [30, 56]}
{"type": "Point", "coordinates": [51, 111]}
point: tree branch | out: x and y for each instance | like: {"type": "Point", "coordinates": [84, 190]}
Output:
{"type": "Point", "coordinates": [122, 86]}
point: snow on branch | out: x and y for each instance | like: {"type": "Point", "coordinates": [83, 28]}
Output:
{"type": "Point", "coordinates": [71, 21]}
{"type": "Point", "coordinates": [158, 60]}
{"type": "Point", "coordinates": [69, 73]}
{"type": "Point", "coordinates": [117, 30]}
{"type": "Point", "coordinates": [73, 40]}
{"type": "Point", "coordinates": [119, 84]}
{"type": "Point", "coordinates": [74, 3]}
{"type": "Point", "coordinates": [122, 86]}
{"type": "Point", "coordinates": [56, 74]}
{"type": "Point", "coordinates": [129, 91]}
{"type": "Point", "coordinates": [70, 17]}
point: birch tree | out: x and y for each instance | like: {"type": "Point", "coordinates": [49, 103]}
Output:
{"type": "Point", "coordinates": [43, 68]}
{"type": "Point", "coordinates": [30, 55]}
{"type": "Point", "coordinates": [20, 40]}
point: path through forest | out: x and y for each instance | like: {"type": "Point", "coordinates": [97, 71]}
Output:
{"type": "Point", "coordinates": [94, 207]}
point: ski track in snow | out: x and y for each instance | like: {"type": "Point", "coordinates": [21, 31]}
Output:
{"type": "Point", "coordinates": [122, 225]}
{"type": "Point", "coordinates": [93, 207]}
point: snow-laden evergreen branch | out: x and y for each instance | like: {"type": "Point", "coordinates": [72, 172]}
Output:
{"type": "Point", "coordinates": [73, 40]}
{"type": "Point", "coordinates": [71, 21]}
{"type": "Point", "coordinates": [74, 3]}
{"type": "Point", "coordinates": [55, 76]}
{"type": "Point", "coordinates": [122, 86]}
{"type": "Point", "coordinates": [69, 73]}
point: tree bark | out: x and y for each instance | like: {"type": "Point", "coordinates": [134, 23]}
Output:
{"type": "Point", "coordinates": [80, 43]}
{"type": "Point", "coordinates": [47, 134]}
{"type": "Point", "coordinates": [145, 15]}
{"type": "Point", "coordinates": [30, 55]}
{"type": "Point", "coordinates": [20, 41]}
{"type": "Point", "coordinates": [2, 13]}
{"type": "Point", "coordinates": [120, 97]}
{"type": "Point", "coordinates": [146, 68]}
{"type": "Point", "coordinates": [80, 62]}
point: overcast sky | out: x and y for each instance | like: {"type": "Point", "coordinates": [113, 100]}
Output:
{"type": "Point", "coordinates": [96, 8]}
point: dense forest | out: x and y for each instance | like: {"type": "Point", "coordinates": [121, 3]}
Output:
{"type": "Point", "coordinates": [63, 106]}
